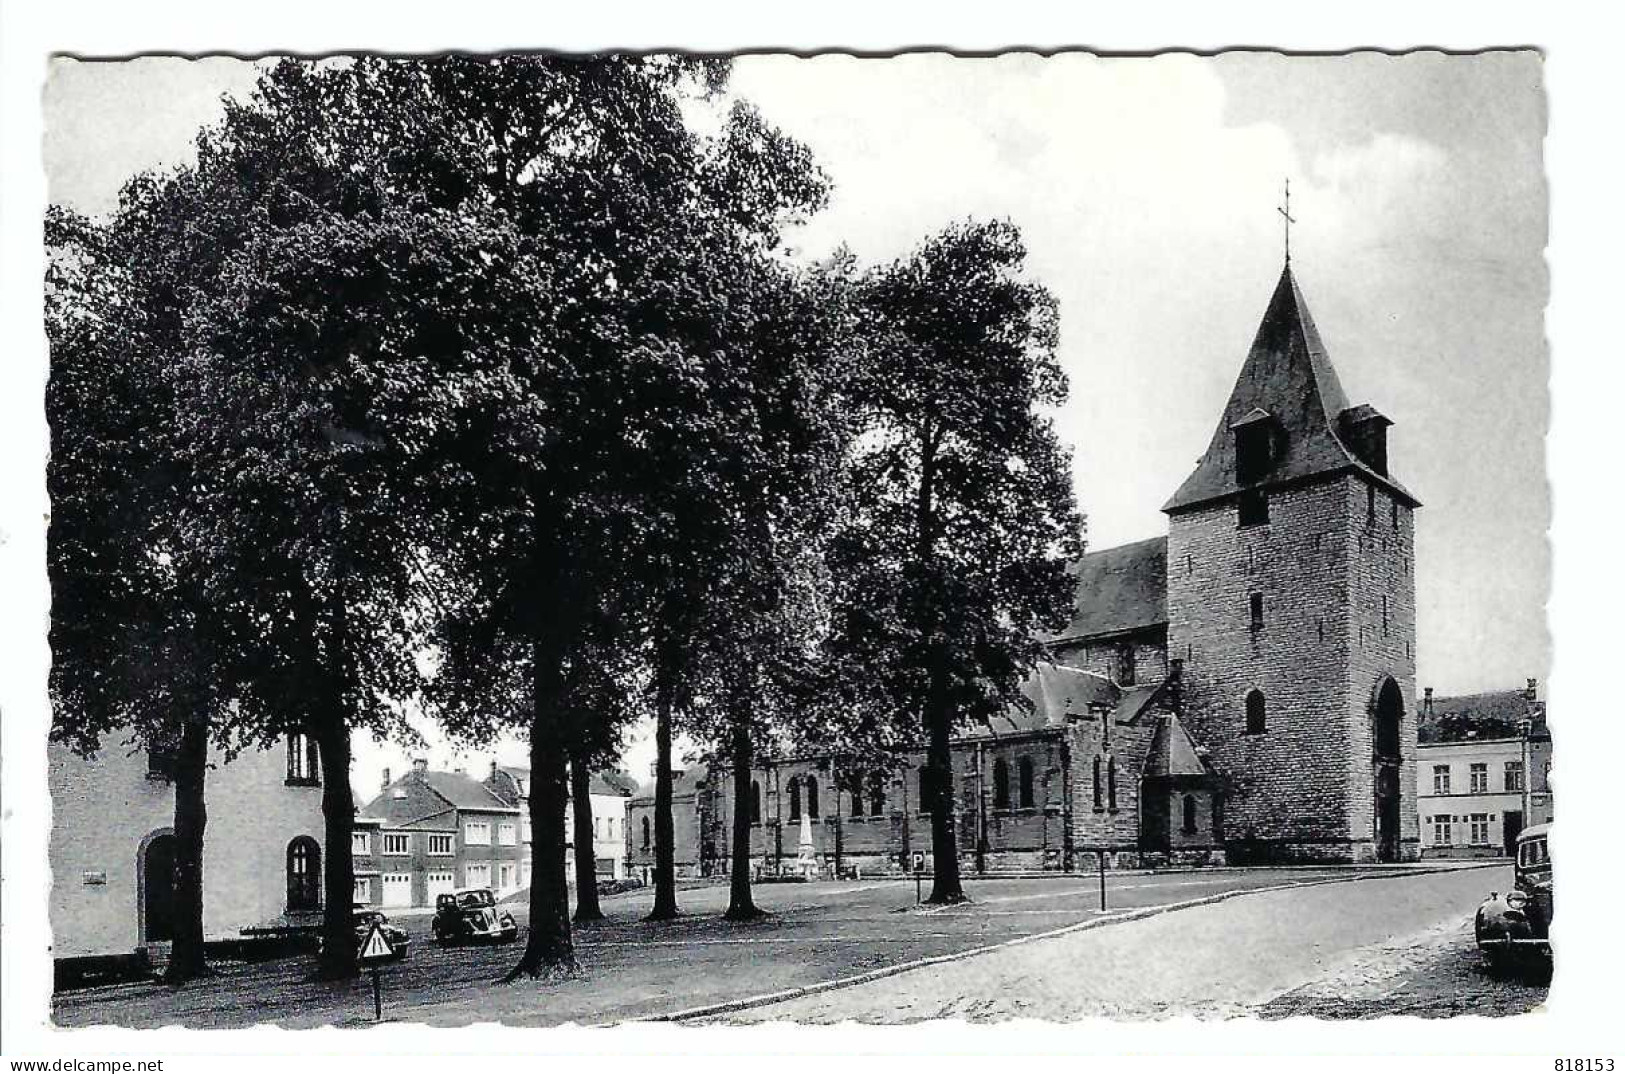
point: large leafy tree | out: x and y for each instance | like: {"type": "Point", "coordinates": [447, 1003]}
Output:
{"type": "Point", "coordinates": [131, 644]}
{"type": "Point", "coordinates": [955, 558]}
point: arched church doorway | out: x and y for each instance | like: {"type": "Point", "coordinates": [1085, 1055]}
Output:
{"type": "Point", "coordinates": [155, 881]}
{"type": "Point", "coordinates": [1387, 715]}
{"type": "Point", "coordinates": [304, 874]}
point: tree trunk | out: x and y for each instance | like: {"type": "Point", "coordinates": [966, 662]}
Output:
{"type": "Point", "coordinates": [549, 948]}
{"type": "Point", "coordinates": [945, 884]}
{"type": "Point", "coordinates": [338, 958]}
{"type": "Point", "coordinates": [741, 906]}
{"type": "Point", "coordinates": [583, 821]}
{"type": "Point", "coordinates": [665, 907]}
{"type": "Point", "coordinates": [186, 959]}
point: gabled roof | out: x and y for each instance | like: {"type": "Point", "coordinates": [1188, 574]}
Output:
{"type": "Point", "coordinates": [1289, 377]}
{"type": "Point", "coordinates": [1173, 752]}
{"type": "Point", "coordinates": [1056, 692]}
{"type": "Point", "coordinates": [1119, 590]}
{"type": "Point", "coordinates": [610, 783]}
{"type": "Point", "coordinates": [432, 794]}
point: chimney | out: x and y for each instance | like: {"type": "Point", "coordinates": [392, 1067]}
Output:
{"type": "Point", "coordinates": [420, 765]}
{"type": "Point", "coordinates": [384, 786]}
{"type": "Point", "coordinates": [1529, 692]}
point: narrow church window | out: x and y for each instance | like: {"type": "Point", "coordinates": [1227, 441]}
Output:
{"type": "Point", "coordinates": [855, 786]}
{"type": "Point", "coordinates": [1111, 784]}
{"type": "Point", "coordinates": [795, 799]}
{"type": "Point", "coordinates": [1252, 509]}
{"type": "Point", "coordinates": [755, 802]}
{"type": "Point", "coordinates": [1320, 629]}
{"type": "Point", "coordinates": [877, 794]}
{"type": "Point", "coordinates": [1371, 505]}
{"type": "Point", "coordinates": [1125, 664]}
{"type": "Point", "coordinates": [1189, 827]}
{"type": "Point", "coordinates": [1098, 763]}
{"type": "Point", "coordinates": [812, 798]}
{"type": "Point", "coordinates": [1385, 616]}
{"type": "Point", "coordinates": [1025, 768]}
{"type": "Point", "coordinates": [301, 759]}
{"type": "Point", "coordinates": [1255, 605]}
{"type": "Point", "coordinates": [1394, 507]}
{"type": "Point", "coordinates": [1190, 563]}
{"type": "Point", "coordinates": [1255, 713]}
{"type": "Point", "coordinates": [645, 833]}
{"type": "Point", "coordinates": [1001, 784]}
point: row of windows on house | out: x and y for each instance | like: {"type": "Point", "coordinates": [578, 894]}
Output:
{"type": "Point", "coordinates": [1478, 777]}
{"type": "Point", "coordinates": [475, 833]}
{"type": "Point", "coordinates": [1477, 825]}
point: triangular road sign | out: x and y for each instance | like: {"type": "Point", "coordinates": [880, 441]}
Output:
{"type": "Point", "coordinates": [375, 947]}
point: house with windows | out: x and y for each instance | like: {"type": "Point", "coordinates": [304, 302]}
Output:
{"type": "Point", "coordinates": [1240, 689]}
{"type": "Point", "coordinates": [607, 794]}
{"type": "Point", "coordinates": [112, 845]}
{"type": "Point", "coordinates": [1484, 772]}
{"type": "Point", "coordinates": [432, 832]}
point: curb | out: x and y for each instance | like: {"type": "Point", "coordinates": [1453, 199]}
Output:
{"type": "Point", "coordinates": [1138, 914]}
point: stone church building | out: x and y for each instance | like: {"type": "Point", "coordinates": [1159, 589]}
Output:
{"type": "Point", "coordinates": [1238, 690]}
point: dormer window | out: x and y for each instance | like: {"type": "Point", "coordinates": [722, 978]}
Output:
{"type": "Point", "coordinates": [1255, 447]}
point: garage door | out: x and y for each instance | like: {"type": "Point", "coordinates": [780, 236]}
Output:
{"type": "Point", "coordinates": [440, 883]}
{"type": "Point", "coordinates": [397, 889]}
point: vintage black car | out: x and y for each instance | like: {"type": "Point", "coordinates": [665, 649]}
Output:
{"type": "Point", "coordinates": [363, 919]}
{"type": "Point", "coordinates": [472, 916]}
{"type": "Point", "coordinates": [1515, 927]}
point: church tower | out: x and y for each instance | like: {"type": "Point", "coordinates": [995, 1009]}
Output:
{"type": "Point", "coordinates": [1292, 604]}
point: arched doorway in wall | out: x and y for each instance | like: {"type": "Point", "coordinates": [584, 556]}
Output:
{"type": "Point", "coordinates": [304, 874]}
{"type": "Point", "coordinates": [155, 887]}
{"type": "Point", "coordinates": [1387, 717]}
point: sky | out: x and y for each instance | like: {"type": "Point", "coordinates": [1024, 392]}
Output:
{"type": "Point", "coordinates": [1146, 190]}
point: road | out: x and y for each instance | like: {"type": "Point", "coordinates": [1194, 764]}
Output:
{"type": "Point", "coordinates": [1336, 950]}
{"type": "Point", "coordinates": [816, 934]}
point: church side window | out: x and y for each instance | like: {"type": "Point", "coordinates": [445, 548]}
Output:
{"type": "Point", "coordinates": [1125, 664]}
{"type": "Point", "coordinates": [1189, 809]}
{"type": "Point", "coordinates": [301, 759]}
{"type": "Point", "coordinates": [1370, 505]}
{"type": "Point", "coordinates": [1111, 784]}
{"type": "Point", "coordinates": [1025, 769]}
{"type": "Point", "coordinates": [1255, 610]}
{"type": "Point", "coordinates": [854, 808]}
{"type": "Point", "coordinates": [755, 802]}
{"type": "Point", "coordinates": [1098, 763]}
{"type": "Point", "coordinates": [812, 798]}
{"type": "Point", "coordinates": [795, 799]}
{"type": "Point", "coordinates": [1256, 723]}
{"type": "Point", "coordinates": [1001, 784]}
{"type": "Point", "coordinates": [877, 794]}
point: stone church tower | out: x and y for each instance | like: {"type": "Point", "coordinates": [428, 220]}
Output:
{"type": "Point", "coordinates": [1291, 603]}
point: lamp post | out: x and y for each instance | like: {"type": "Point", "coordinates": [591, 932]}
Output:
{"type": "Point", "coordinates": [1524, 727]}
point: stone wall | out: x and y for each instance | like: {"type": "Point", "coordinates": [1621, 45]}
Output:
{"type": "Point", "coordinates": [1302, 789]}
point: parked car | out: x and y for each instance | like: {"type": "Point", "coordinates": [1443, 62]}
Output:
{"type": "Point", "coordinates": [1515, 927]}
{"type": "Point", "coordinates": [362, 919]}
{"type": "Point", "coordinates": [472, 915]}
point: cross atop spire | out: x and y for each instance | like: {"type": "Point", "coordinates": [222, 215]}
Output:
{"type": "Point", "coordinates": [1285, 210]}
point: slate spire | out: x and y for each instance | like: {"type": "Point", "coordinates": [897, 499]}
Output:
{"type": "Point", "coordinates": [1288, 386]}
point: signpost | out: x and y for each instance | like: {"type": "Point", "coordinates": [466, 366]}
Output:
{"type": "Point", "coordinates": [374, 950]}
{"type": "Point", "coordinates": [919, 871]}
